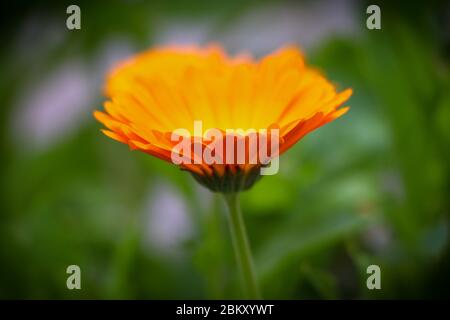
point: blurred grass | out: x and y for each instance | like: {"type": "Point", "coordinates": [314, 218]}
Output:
{"type": "Point", "coordinates": [371, 188]}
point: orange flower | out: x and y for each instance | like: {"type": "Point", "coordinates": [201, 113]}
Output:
{"type": "Point", "coordinates": [164, 89]}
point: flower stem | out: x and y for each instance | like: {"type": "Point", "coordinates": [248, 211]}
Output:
{"type": "Point", "coordinates": [241, 246]}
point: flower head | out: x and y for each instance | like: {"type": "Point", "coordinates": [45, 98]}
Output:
{"type": "Point", "coordinates": [153, 95]}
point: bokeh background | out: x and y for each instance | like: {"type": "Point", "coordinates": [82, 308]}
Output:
{"type": "Point", "coordinates": [370, 188]}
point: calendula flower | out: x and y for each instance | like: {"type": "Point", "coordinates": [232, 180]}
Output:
{"type": "Point", "coordinates": [156, 98]}
{"type": "Point", "coordinates": [157, 92]}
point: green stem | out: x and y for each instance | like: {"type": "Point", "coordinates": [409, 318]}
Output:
{"type": "Point", "coordinates": [241, 246]}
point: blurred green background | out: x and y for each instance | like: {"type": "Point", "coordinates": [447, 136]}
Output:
{"type": "Point", "coordinates": [370, 188]}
